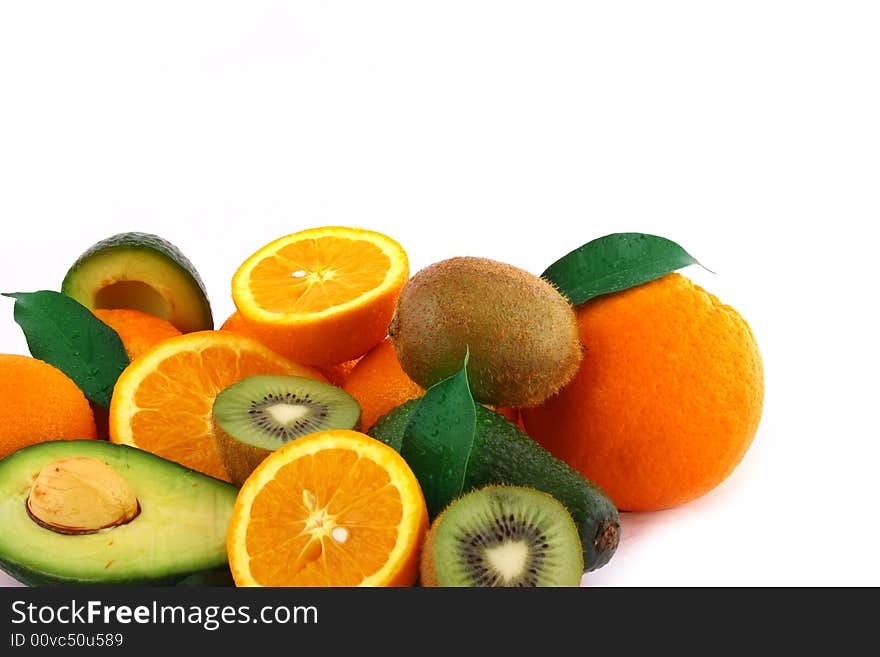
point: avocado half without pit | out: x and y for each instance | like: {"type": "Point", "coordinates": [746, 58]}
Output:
{"type": "Point", "coordinates": [142, 272]}
{"type": "Point", "coordinates": [91, 512]}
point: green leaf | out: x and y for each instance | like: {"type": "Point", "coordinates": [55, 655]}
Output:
{"type": "Point", "coordinates": [438, 439]}
{"type": "Point", "coordinates": [615, 262]}
{"type": "Point", "coordinates": [64, 333]}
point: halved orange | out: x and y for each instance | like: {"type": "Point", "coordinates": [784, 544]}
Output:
{"type": "Point", "coordinates": [324, 295]}
{"type": "Point", "coordinates": [162, 401]}
{"type": "Point", "coordinates": [334, 508]}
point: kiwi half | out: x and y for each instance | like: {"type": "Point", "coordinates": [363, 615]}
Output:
{"type": "Point", "coordinates": [503, 536]}
{"type": "Point", "coordinates": [259, 414]}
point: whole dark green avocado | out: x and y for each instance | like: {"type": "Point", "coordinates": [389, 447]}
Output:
{"type": "Point", "coordinates": [504, 454]}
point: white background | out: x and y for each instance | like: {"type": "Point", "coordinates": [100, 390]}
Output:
{"type": "Point", "coordinates": [747, 131]}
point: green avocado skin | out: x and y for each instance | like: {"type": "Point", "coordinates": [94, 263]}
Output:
{"type": "Point", "coordinates": [504, 454]}
{"type": "Point", "coordinates": [30, 577]}
{"type": "Point", "coordinates": [135, 240]}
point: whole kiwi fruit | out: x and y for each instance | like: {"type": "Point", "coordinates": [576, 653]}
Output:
{"type": "Point", "coordinates": [521, 333]}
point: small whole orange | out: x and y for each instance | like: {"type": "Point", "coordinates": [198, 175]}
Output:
{"type": "Point", "coordinates": [138, 330]}
{"type": "Point", "coordinates": [337, 373]}
{"type": "Point", "coordinates": [379, 383]}
{"type": "Point", "coordinates": [235, 323]}
{"type": "Point", "coordinates": [40, 403]}
{"type": "Point", "coordinates": [667, 399]}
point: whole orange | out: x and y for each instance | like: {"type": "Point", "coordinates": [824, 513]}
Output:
{"type": "Point", "coordinates": [667, 400]}
{"type": "Point", "coordinates": [40, 403]}
{"type": "Point", "coordinates": [338, 373]}
{"type": "Point", "coordinates": [380, 384]}
{"type": "Point", "coordinates": [137, 330]}
{"type": "Point", "coordinates": [234, 323]}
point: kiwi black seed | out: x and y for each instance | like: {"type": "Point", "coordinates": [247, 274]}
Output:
{"type": "Point", "coordinates": [259, 414]}
{"type": "Point", "coordinates": [503, 536]}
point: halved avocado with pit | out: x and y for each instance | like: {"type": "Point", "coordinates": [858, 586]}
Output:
{"type": "Point", "coordinates": [142, 272]}
{"type": "Point", "coordinates": [92, 512]}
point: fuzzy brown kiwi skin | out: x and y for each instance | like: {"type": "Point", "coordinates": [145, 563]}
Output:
{"type": "Point", "coordinates": [239, 459]}
{"type": "Point", "coordinates": [521, 332]}
{"type": "Point", "coordinates": [427, 574]}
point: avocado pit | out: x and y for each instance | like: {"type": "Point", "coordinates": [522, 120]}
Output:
{"type": "Point", "coordinates": [81, 495]}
